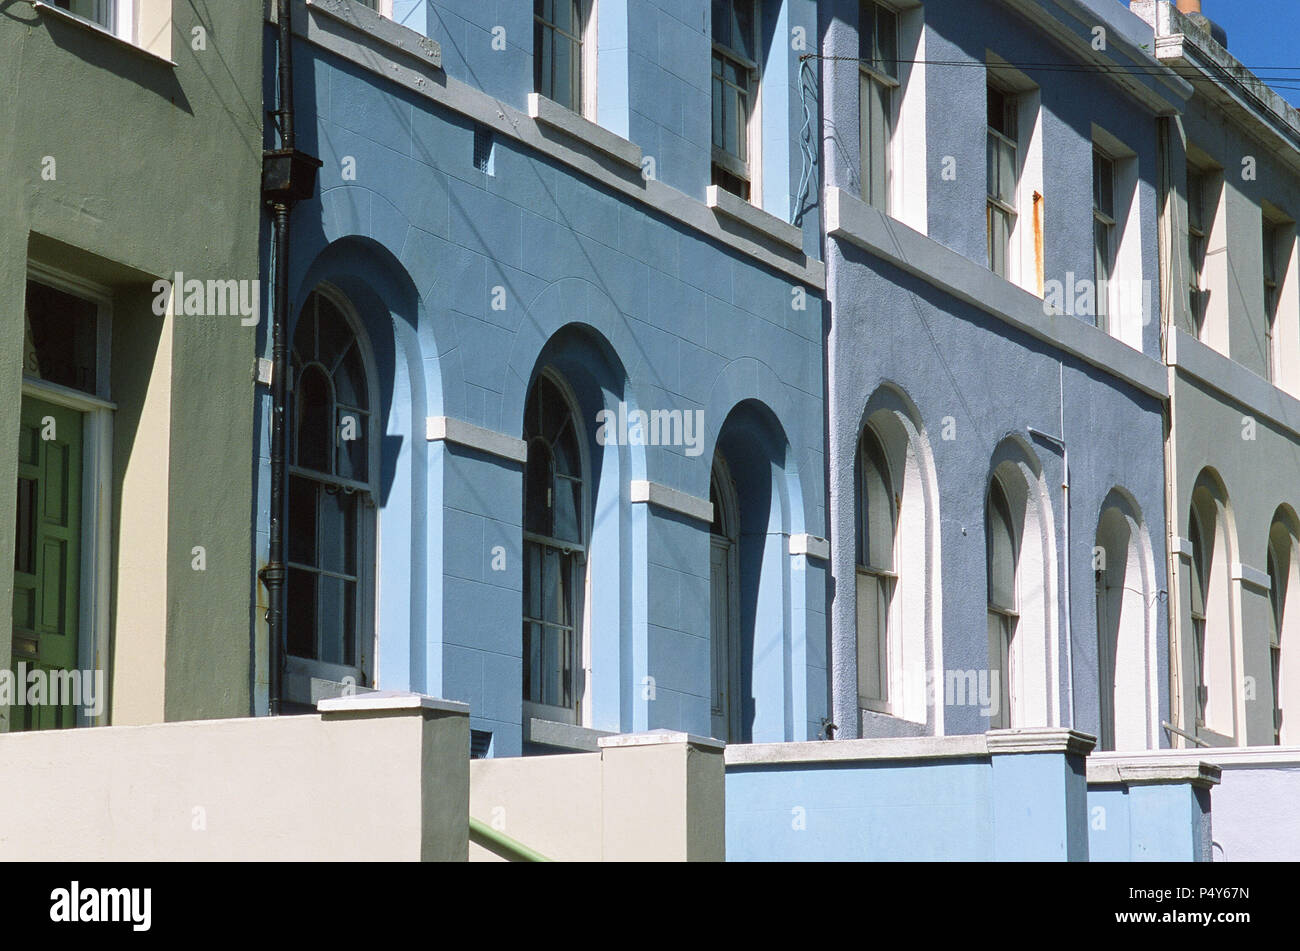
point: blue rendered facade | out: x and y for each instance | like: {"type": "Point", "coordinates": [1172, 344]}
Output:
{"type": "Point", "coordinates": [469, 275]}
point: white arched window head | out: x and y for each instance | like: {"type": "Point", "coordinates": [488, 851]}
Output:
{"type": "Point", "coordinates": [329, 630]}
{"type": "Point", "coordinates": [896, 565]}
{"type": "Point", "coordinates": [1125, 629]}
{"type": "Point", "coordinates": [555, 548]}
{"type": "Point", "coordinates": [877, 530]}
{"type": "Point", "coordinates": [1001, 555]}
{"type": "Point", "coordinates": [1211, 678]}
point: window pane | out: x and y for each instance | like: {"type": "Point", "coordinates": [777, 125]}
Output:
{"type": "Point", "coordinates": [718, 111]}
{"type": "Point", "coordinates": [538, 489]}
{"type": "Point", "coordinates": [1101, 270]}
{"type": "Point", "coordinates": [1103, 185]}
{"type": "Point", "coordinates": [722, 22]}
{"type": "Point", "coordinates": [886, 41]}
{"type": "Point", "coordinates": [532, 580]}
{"type": "Point", "coordinates": [563, 90]}
{"type": "Point", "coordinates": [300, 614]}
{"type": "Point", "coordinates": [1197, 573]}
{"type": "Point", "coordinates": [337, 621]}
{"type": "Point", "coordinates": [315, 431]}
{"type": "Point", "coordinates": [532, 662]}
{"type": "Point", "coordinates": [1006, 172]}
{"type": "Point", "coordinates": [875, 127]}
{"type": "Point", "coordinates": [350, 380]}
{"type": "Point", "coordinates": [878, 507]}
{"type": "Point", "coordinates": [302, 520]}
{"type": "Point", "coordinates": [338, 531]}
{"type": "Point", "coordinates": [60, 338]}
{"type": "Point", "coordinates": [742, 36]}
{"type": "Point", "coordinates": [1195, 201]}
{"type": "Point", "coordinates": [541, 59]}
{"type": "Point", "coordinates": [872, 618]}
{"type": "Point", "coordinates": [352, 452]}
{"type": "Point", "coordinates": [1001, 112]}
{"type": "Point", "coordinates": [568, 503]}
{"type": "Point", "coordinates": [334, 335]}
{"type": "Point", "coordinates": [1001, 548]}
{"type": "Point", "coordinates": [999, 234]}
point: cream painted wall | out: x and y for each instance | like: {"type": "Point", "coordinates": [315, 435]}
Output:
{"type": "Point", "coordinates": [373, 785]}
{"type": "Point", "coordinates": [641, 798]}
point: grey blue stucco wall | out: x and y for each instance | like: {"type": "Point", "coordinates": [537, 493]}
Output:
{"type": "Point", "coordinates": [953, 361]}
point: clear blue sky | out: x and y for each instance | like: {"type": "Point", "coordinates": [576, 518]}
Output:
{"type": "Point", "coordinates": [1265, 36]}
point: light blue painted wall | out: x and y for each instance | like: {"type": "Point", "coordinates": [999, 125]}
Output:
{"type": "Point", "coordinates": [1149, 823]}
{"type": "Point", "coordinates": [887, 812]}
{"type": "Point", "coordinates": [1015, 807]}
{"type": "Point", "coordinates": [629, 306]}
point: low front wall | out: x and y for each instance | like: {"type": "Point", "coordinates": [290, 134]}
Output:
{"type": "Point", "coordinates": [1004, 796]}
{"type": "Point", "coordinates": [654, 796]}
{"type": "Point", "coordinates": [372, 777]}
{"type": "Point", "coordinates": [1256, 805]}
{"type": "Point", "coordinates": [1150, 807]}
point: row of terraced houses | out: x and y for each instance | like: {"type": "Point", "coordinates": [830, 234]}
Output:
{"type": "Point", "coordinates": [751, 429]}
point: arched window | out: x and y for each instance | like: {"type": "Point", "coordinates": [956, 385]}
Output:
{"type": "Point", "coordinates": [554, 555]}
{"type": "Point", "coordinates": [724, 605]}
{"type": "Point", "coordinates": [877, 527]}
{"type": "Point", "coordinates": [1284, 585]}
{"type": "Point", "coordinates": [1199, 580]}
{"type": "Point", "coordinates": [1278, 566]}
{"type": "Point", "coordinates": [1212, 656]}
{"type": "Point", "coordinates": [331, 503]}
{"type": "Point", "coordinates": [1003, 615]}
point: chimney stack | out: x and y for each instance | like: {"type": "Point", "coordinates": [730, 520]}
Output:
{"type": "Point", "coordinates": [1192, 10]}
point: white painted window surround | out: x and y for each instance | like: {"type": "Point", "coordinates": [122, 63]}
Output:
{"type": "Point", "coordinates": [1212, 651]}
{"type": "Point", "coordinates": [1128, 304]}
{"type": "Point", "coordinates": [97, 480]}
{"type": "Point", "coordinates": [907, 183]}
{"type": "Point", "coordinates": [1024, 269]}
{"type": "Point", "coordinates": [145, 24]}
{"type": "Point", "coordinates": [908, 574]}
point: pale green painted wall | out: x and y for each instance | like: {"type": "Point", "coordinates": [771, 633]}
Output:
{"type": "Point", "coordinates": [157, 171]}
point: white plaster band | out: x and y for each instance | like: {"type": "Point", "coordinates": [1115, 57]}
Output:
{"type": "Point", "coordinates": [810, 545]}
{"type": "Point", "coordinates": [682, 503]}
{"type": "Point", "coordinates": [1252, 576]}
{"type": "Point", "coordinates": [475, 437]}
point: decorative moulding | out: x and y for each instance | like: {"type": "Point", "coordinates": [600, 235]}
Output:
{"type": "Point", "coordinates": [475, 437]}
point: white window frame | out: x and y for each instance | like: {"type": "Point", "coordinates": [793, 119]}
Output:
{"type": "Point", "coordinates": [869, 75]}
{"type": "Point", "coordinates": [884, 577]}
{"type": "Point", "coordinates": [118, 17]}
{"type": "Point", "coordinates": [996, 204]}
{"type": "Point", "coordinates": [581, 715]}
{"type": "Point", "coordinates": [753, 173]}
{"type": "Point", "coordinates": [93, 650]}
{"type": "Point", "coordinates": [300, 672]}
{"type": "Point", "coordinates": [589, 59]}
{"type": "Point", "coordinates": [1197, 187]}
{"type": "Point", "coordinates": [1107, 221]}
{"type": "Point", "coordinates": [1273, 278]}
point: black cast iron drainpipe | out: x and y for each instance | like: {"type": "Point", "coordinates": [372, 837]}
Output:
{"type": "Point", "coordinates": [288, 177]}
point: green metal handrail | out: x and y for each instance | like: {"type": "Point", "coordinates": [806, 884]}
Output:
{"type": "Point", "coordinates": [501, 843]}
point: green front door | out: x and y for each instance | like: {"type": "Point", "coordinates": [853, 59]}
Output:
{"type": "Point", "coordinates": [47, 559]}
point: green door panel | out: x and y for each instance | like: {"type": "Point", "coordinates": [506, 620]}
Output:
{"type": "Point", "coordinates": [47, 555]}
